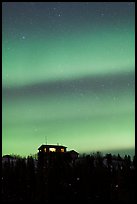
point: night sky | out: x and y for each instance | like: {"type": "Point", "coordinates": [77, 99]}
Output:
{"type": "Point", "coordinates": [68, 76]}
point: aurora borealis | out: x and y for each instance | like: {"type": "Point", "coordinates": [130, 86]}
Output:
{"type": "Point", "coordinates": [68, 76]}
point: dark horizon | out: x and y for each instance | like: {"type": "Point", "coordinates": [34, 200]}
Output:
{"type": "Point", "coordinates": [63, 176]}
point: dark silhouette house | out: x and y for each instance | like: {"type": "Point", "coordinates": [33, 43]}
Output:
{"type": "Point", "coordinates": [73, 154]}
{"type": "Point", "coordinates": [48, 155]}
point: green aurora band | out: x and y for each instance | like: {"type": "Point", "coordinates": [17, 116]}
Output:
{"type": "Point", "coordinates": [76, 88]}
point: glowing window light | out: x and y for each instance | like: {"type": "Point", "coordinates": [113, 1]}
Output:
{"type": "Point", "coordinates": [62, 150]}
{"type": "Point", "coordinates": [45, 150]}
{"type": "Point", "coordinates": [52, 149]}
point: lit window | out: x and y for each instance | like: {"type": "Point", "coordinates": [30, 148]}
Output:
{"type": "Point", "coordinates": [44, 149]}
{"type": "Point", "coordinates": [52, 149]}
{"type": "Point", "coordinates": [62, 150]}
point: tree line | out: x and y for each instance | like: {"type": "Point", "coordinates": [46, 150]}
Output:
{"type": "Point", "coordinates": [87, 178]}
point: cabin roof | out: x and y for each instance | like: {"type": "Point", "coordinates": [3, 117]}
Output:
{"type": "Point", "coordinates": [51, 146]}
{"type": "Point", "coordinates": [73, 152]}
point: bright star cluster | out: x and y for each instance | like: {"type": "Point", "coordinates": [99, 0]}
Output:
{"type": "Point", "coordinates": [68, 75]}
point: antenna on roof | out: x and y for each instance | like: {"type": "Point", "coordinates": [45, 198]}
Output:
{"type": "Point", "coordinates": [46, 139]}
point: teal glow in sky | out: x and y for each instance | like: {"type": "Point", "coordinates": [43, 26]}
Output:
{"type": "Point", "coordinates": [68, 75]}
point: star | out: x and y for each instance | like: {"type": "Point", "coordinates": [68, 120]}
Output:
{"type": "Point", "coordinates": [97, 97]}
{"type": "Point", "coordinates": [23, 37]}
{"type": "Point", "coordinates": [128, 84]}
{"type": "Point", "coordinates": [102, 14]}
{"type": "Point", "coordinates": [114, 98]}
{"type": "Point", "coordinates": [31, 22]}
